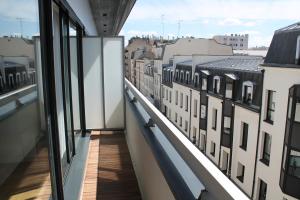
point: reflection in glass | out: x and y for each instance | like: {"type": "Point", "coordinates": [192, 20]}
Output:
{"type": "Point", "coordinates": [24, 162]}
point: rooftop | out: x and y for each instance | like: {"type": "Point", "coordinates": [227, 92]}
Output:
{"type": "Point", "coordinates": [235, 63]}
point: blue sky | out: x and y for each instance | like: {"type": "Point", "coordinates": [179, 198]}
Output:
{"type": "Point", "coordinates": [205, 18]}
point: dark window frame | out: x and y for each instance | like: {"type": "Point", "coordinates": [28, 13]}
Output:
{"type": "Point", "coordinates": [270, 110]}
{"type": "Point", "coordinates": [244, 135]}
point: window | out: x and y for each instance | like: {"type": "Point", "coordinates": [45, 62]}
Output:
{"type": "Point", "coordinates": [297, 58]}
{"type": "Point", "coordinates": [170, 115]}
{"type": "Point", "coordinates": [202, 141]}
{"type": "Point", "coordinates": [262, 190]}
{"type": "Point", "coordinates": [227, 124]}
{"type": "Point", "coordinates": [216, 84]}
{"type": "Point", "coordinates": [194, 135]}
{"type": "Point", "coordinates": [196, 80]}
{"type": "Point", "coordinates": [270, 106]}
{"type": "Point", "coordinates": [181, 76]}
{"type": "Point", "coordinates": [214, 118]}
{"type": "Point", "coordinates": [228, 92]}
{"type": "Point", "coordinates": [247, 92]}
{"type": "Point", "coordinates": [203, 112]}
{"type": "Point", "coordinates": [266, 149]}
{"type": "Point", "coordinates": [195, 107]}
{"type": "Point", "coordinates": [176, 97]}
{"type": "Point", "coordinates": [177, 75]}
{"type": "Point", "coordinates": [186, 126]}
{"type": "Point", "coordinates": [244, 136]}
{"type": "Point", "coordinates": [180, 121]}
{"type": "Point", "coordinates": [170, 97]}
{"type": "Point", "coordinates": [187, 77]}
{"type": "Point", "coordinates": [186, 103]}
{"type": "Point", "coordinates": [167, 95]}
{"type": "Point", "coordinates": [212, 148]}
{"type": "Point", "coordinates": [240, 172]}
{"type": "Point", "coordinates": [294, 163]}
{"type": "Point", "coordinates": [176, 116]}
{"type": "Point", "coordinates": [163, 92]}
{"type": "Point", "coordinates": [181, 100]}
{"type": "Point", "coordinates": [204, 84]}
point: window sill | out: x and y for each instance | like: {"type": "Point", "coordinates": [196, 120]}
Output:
{"type": "Point", "coordinates": [269, 121]}
{"type": "Point", "coordinates": [240, 178]}
{"type": "Point", "coordinates": [266, 162]}
{"type": "Point", "coordinates": [243, 147]}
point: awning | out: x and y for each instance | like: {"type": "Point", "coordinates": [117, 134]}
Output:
{"type": "Point", "coordinates": [232, 76]}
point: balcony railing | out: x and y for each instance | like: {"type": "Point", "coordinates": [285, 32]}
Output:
{"type": "Point", "coordinates": [189, 174]}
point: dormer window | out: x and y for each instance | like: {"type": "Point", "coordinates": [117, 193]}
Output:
{"type": "Point", "coordinates": [216, 84]}
{"type": "Point", "coordinates": [196, 80]}
{"type": "Point", "coordinates": [247, 92]}
{"type": "Point", "coordinates": [204, 83]}
{"type": "Point", "coordinates": [187, 77]}
{"type": "Point", "coordinates": [181, 76]}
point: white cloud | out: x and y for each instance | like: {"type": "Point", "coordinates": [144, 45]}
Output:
{"type": "Point", "coordinates": [236, 22]}
{"type": "Point", "coordinates": [219, 9]}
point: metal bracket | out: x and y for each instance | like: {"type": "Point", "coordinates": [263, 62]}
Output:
{"type": "Point", "coordinates": [133, 100]}
{"type": "Point", "coordinates": [149, 124]}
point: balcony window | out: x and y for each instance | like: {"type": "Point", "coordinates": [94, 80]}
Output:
{"type": "Point", "coordinates": [216, 85]}
{"type": "Point", "coordinates": [195, 107]}
{"type": "Point", "coordinates": [176, 97]}
{"type": "Point", "coordinates": [214, 119]}
{"type": "Point", "coordinates": [181, 100]}
{"type": "Point", "coordinates": [266, 149]}
{"type": "Point", "coordinates": [194, 135]}
{"type": "Point", "coordinates": [180, 121]}
{"type": "Point", "coordinates": [212, 148]}
{"type": "Point", "coordinates": [262, 190]}
{"type": "Point", "coordinates": [204, 84]}
{"type": "Point", "coordinates": [244, 136]}
{"type": "Point", "coordinates": [247, 92]}
{"type": "Point", "coordinates": [186, 103]}
{"type": "Point", "coordinates": [167, 95]}
{"type": "Point", "coordinates": [170, 97]}
{"type": "Point", "coordinates": [186, 124]}
{"type": "Point", "coordinates": [240, 172]}
{"type": "Point", "coordinates": [270, 106]}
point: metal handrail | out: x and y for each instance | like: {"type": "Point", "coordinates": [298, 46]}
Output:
{"type": "Point", "coordinates": [215, 182]}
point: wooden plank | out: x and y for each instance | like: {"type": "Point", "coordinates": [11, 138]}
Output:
{"type": "Point", "coordinates": [109, 173]}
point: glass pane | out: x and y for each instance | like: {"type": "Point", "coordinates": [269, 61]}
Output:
{"type": "Point", "coordinates": [66, 87]}
{"type": "Point", "coordinates": [74, 78]}
{"type": "Point", "coordinates": [294, 165]}
{"type": "Point", "coordinates": [24, 161]}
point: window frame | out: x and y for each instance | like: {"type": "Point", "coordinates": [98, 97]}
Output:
{"type": "Point", "coordinates": [244, 136]}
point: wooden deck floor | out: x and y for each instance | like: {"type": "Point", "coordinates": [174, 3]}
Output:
{"type": "Point", "coordinates": [30, 180]}
{"type": "Point", "coordinates": [109, 174]}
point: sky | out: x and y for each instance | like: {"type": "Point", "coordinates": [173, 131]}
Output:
{"type": "Point", "coordinates": [206, 18]}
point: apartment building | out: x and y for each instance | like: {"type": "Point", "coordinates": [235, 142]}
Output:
{"type": "Point", "coordinates": [237, 41]}
{"type": "Point", "coordinates": [241, 112]}
{"type": "Point", "coordinates": [134, 44]}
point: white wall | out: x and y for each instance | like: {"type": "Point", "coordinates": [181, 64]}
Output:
{"type": "Point", "coordinates": [285, 78]}
{"type": "Point", "coordinates": [214, 135]}
{"type": "Point", "coordinates": [246, 158]}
